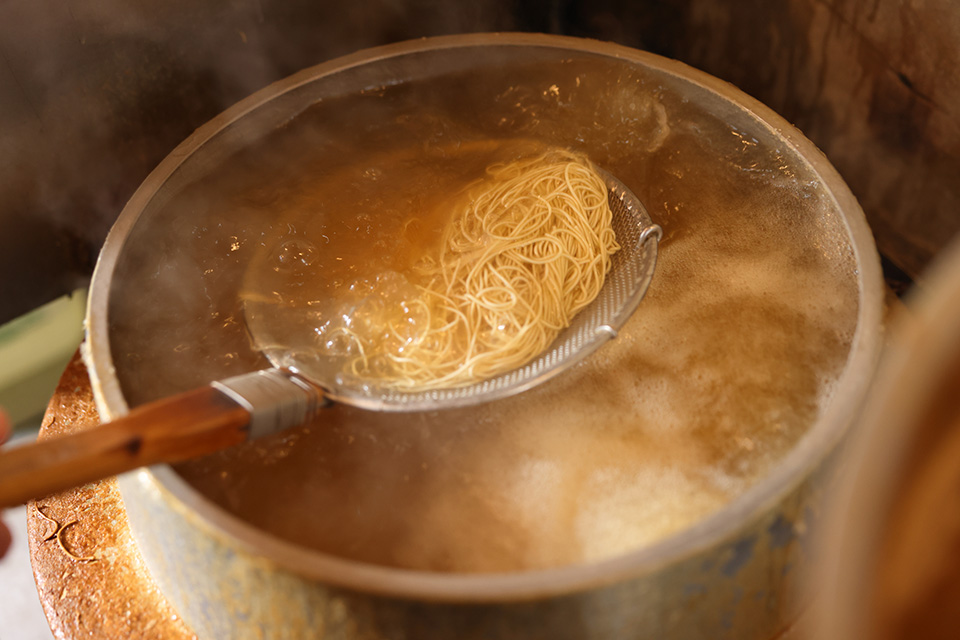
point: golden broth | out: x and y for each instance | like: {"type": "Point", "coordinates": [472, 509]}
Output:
{"type": "Point", "coordinates": [729, 360]}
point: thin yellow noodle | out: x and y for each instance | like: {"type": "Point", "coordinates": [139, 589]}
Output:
{"type": "Point", "coordinates": [530, 249]}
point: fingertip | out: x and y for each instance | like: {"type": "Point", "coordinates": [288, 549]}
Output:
{"type": "Point", "coordinates": [4, 532]}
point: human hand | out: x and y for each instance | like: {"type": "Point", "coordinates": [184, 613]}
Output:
{"type": "Point", "coordinates": [4, 532]}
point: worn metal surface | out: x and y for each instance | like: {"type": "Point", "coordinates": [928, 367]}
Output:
{"type": "Point", "coordinates": [91, 579]}
{"type": "Point", "coordinates": [746, 585]}
{"type": "Point", "coordinates": [734, 575]}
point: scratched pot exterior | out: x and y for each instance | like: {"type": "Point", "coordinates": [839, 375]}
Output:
{"type": "Point", "coordinates": [745, 586]}
{"type": "Point", "coordinates": [733, 575]}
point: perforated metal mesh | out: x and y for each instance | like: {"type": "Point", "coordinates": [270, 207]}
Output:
{"type": "Point", "coordinates": [629, 277]}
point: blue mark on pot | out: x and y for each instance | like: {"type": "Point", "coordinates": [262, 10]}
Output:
{"type": "Point", "coordinates": [742, 552]}
{"type": "Point", "coordinates": [781, 533]}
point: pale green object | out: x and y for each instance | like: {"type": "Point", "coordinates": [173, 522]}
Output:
{"type": "Point", "coordinates": [34, 350]}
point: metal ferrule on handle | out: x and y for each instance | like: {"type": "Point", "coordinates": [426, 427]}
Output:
{"type": "Point", "coordinates": [275, 399]}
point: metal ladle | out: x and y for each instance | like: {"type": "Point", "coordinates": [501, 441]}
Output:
{"type": "Point", "coordinates": [259, 403]}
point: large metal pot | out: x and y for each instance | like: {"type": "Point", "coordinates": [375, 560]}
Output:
{"type": "Point", "coordinates": [731, 575]}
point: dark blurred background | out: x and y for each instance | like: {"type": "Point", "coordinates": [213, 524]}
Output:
{"type": "Point", "coordinates": [94, 94]}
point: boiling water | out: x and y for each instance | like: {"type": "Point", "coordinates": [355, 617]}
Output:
{"type": "Point", "coordinates": [729, 360]}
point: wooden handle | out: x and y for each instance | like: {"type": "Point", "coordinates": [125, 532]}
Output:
{"type": "Point", "coordinates": [185, 426]}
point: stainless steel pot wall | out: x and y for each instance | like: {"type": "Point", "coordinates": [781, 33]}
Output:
{"type": "Point", "coordinates": [732, 575]}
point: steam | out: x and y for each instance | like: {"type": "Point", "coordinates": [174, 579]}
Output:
{"type": "Point", "coordinates": [95, 95]}
{"type": "Point", "coordinates": [727, 363]}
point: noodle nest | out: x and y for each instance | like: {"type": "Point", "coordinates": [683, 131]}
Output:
{"type": "Point", "coordinates": [528, 251]}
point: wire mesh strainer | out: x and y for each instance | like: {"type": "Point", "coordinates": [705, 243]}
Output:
{"type": "Point", "coordinates": [630, 274]}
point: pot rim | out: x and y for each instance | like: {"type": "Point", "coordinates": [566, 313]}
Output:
{"type": "Point", "coordinates": [806, 455]}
